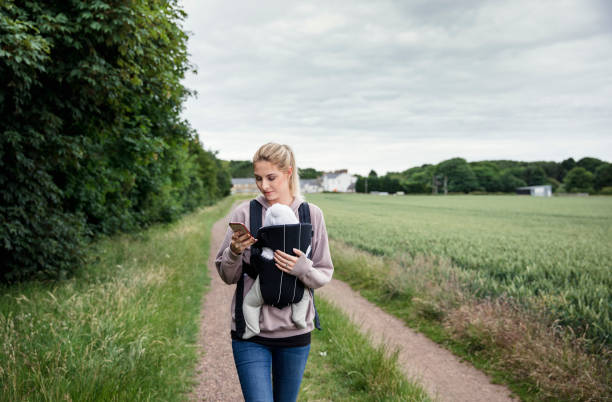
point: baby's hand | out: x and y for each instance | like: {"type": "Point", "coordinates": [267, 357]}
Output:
{"type": "Point", "coordinates": [267, 253]}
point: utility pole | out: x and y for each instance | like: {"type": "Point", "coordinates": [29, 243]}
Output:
{"type": "Point", "coordinates": [445, 183]}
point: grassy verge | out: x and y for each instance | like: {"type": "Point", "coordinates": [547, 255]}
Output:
{"type": "Point", "coordinates": [124, 328]}
{"type": "Point", "coordinates": [536, 358]}
{"type": "Point", "coordinates": [343, 365]}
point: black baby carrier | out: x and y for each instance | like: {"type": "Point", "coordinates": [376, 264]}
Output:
{"type": "Point", "coordinates": [278, 288]}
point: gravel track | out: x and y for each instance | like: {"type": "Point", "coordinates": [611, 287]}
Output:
{"type": "Point", "coordinates": [440, 372]}
{"type": "Point", "coordinates": [217, 378]}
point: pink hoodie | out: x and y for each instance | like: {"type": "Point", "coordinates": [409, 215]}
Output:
{"type": "Point", "coordinates": [314, 272]}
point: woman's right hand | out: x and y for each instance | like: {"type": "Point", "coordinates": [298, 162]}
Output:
{"type": "Point", "coordinates": [241, 242]}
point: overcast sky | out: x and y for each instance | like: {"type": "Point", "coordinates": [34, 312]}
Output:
{"type": "Point", "coordinates": [388, 85]}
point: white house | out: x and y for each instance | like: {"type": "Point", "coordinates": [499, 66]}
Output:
{"type": "Point", "coordinates": [536, 191]}
{"type": "Point", "coordinates": [244, 185]}
{"type": "Point", "coordinates": [311, 186]}
{"type": "Point", "coordinates": [339, 181]}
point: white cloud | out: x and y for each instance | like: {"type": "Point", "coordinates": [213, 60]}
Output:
{"type": "Point", "coordinates": [403, 83]}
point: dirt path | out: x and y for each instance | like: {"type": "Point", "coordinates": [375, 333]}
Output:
{"type": "Point", "coordinates": [217, 378]}
{"type": "Point", "coordinates": [439, 371]}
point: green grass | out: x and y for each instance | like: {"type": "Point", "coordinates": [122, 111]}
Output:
{"type": "Point", "coordinates": [550, 252]}
{"type": "Point", "coordinates": [469, 308]}
{"type": "Point", "coordinates": [124, 328]}
{"type": "Point", "coordinates": [517, 348]}
{"type": "Point", "coordinates": [343, 365]}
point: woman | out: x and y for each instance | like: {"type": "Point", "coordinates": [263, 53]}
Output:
{"type": "Point", "coordinates": [281, 349]}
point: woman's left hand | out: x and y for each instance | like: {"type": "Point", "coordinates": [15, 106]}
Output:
{"type": "Point", "coordinates": [285, 262]}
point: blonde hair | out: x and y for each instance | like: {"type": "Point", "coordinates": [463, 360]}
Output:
{"type": "Point", "coordinates": [282, 156]}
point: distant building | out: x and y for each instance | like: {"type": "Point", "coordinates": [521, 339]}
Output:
{"type": "Point", "coordinates": [536, 191]}
{"type": "Point", "coordinates": [339, 181]}
{"type": "Point", "coordinates": [244, 185]}
{"type": "Point", "coordinates": [311, 185]}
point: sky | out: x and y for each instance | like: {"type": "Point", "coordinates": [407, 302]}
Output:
{"type": "Point", "coordinates": [389, 85]}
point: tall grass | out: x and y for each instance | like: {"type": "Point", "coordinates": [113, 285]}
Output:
{"type": "Point", "coordinates": [552, 253]}
{"type": "Point", "coordinates": [124, 328]}
{"type": "Point", "coordinates": [343, 365]}
{"type": "Point", "coordinates": [534, 355]}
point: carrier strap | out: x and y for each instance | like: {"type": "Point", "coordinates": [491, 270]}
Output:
{"type": "Point", "coordinates": [239, 314]}
{"type": "Point", "coordinates": [255, 214]}
{"type": "Point", "coordinates": [304, 213]}
{"type": "Point", "coordinates": [255, 222]}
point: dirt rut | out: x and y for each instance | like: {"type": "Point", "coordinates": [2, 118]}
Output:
{"type": "Point", "coordinates": [217, 378]}
{"type": "Point", "coordinates": [440, 372]}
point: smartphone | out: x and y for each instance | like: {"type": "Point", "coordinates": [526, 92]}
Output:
{"type": "Point", "coordinates": [239, 227]}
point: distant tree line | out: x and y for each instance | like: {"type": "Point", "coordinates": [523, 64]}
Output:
{"type": "Point", "coordinates": [243, 169]}
{"type": "Point", "coordinates": [588, 175]}
{"type": "Point", "coordinates": [91, 139]}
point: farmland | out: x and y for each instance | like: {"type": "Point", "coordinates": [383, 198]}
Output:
{"type": "Point", "coordinates": [551, 253]}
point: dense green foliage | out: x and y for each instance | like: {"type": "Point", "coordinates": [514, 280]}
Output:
{"type": "Point", "coordinates": [241, 169]}
{"type": "Point", "coordinates": [309, 173]}
{"type": "Point", "coordinates": [123, 328]}
{"type": "Point", "coordinates": [579, 180]}
{"type": "Point", "coordinates": [460, 176]}
{"type": "Point", "coordinates": [492, 176]}
{"type": "Point", "coordinates": [551, 252]}
{"type": "Point", "coordinates": [91, 138]}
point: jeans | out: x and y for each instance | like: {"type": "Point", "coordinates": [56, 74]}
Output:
{"type": "Point", "coordinates": [269, 373]}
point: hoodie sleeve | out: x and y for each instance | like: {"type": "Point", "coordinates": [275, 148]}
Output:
{"type": "Point", "coordinates": [318, 270]}
{"type": "Point", "coordinates": [228, 263]}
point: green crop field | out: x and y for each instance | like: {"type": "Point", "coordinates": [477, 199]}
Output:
{"type": "Point", "coordinates": [552, 252]}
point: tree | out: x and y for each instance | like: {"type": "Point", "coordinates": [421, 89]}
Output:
{"type": "Point", "coordinates": [417, 179]}
{"type": "Point", "coordinates": [578, 180]}
{"type": "Point", "coordinates": [509, 182]}
{"type": "Point", "coordinates": [590, 164]}
{"type": "Point", "coordinates": [460, 175]}
{"type": "Point", "coordinates": [240, 169]}
{"type": "Point", "coordinates": [567, 165]}
{"type": "Point", "coordinates": [310, 173]}
{"type": "Point", "coordinates": [535, 175]}
{"type": "Point", "coordinates": [554, 183]}
{"type": "Point", "coordinates": [488, 177]}
{"type": "Point", "coordinates": [603, 176]}
{"type": "Point", "coordinates": [360, 184]}
{"type": "Point", "coordinates": [551, 169]}
{"type": "Point", "coordinates": [95, 142]}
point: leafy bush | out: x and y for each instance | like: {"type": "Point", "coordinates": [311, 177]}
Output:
{"type": "Point", "coordinates": [603, 176]}
{"type": "Point", "coordinates": [94, 142]}
{"type": "Point", "coordinates": [606, 190]}
{"type": "Point", "coordinates": [579, 180]}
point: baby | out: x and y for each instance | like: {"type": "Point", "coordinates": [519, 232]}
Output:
{"type": "Point", "coordinates": [277, 214]}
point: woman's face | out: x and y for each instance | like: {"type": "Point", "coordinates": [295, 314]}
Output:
{"type": "Point", "coordinates": [272, 182]}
